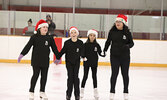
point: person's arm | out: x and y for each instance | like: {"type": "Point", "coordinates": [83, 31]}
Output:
{"type": "Point", "coordinates": [108, 42]}
{"type": "Point", "coordinates": [26, 49]}
{"type": "Point", "coordinates": [24, 30]}
{"type": "Point", "coordinates": [82, 50]}
{"type": "Point", "coordinates": [100, 51]}
{"type": "Point", "coordinates": [53, 25]}
{"type": "Point", "coordinates": [54, 47]}
{"type": "Point", "coordinates": [28, 46]}
{"type": "Point", "coordinates": [130, 42]}
{"type": "Point", "coordinates": [63, 50]}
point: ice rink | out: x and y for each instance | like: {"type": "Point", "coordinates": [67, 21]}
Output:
{"type": "Point", "coordinates": [146, 83]}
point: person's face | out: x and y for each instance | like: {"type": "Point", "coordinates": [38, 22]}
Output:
{"type": "Point", "coordinates": [92, 37]}
{"type": "Point", "coordinates": [29, 24]}
{"type": "Point", "coordinates": [73, 34]}
{"type": "Point", "coordinates": [48, 18]}
{"type": "Point", "coordinates": [119, 25]}
{"type": "Point", "coordinates": [44, 30]}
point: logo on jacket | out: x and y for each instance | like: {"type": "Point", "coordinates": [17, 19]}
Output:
{"type": "Point", "coordinates": [46, 42]}
{"type": "Point", "coordinates": [124, 37]}
{"type": "Point", "coordinates": [77, 50]}
{"type": "Point", "coordinates": [95, 49]}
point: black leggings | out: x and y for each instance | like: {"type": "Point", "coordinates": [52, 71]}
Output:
{"type": "Point", "coordinates": [73, 79]}
{"type": "Point", "coordinates": [116, 62]}
{"type": "Point", "coordinates": [36, 72]}
{"type": "Point", "coordinates": [94, 77]}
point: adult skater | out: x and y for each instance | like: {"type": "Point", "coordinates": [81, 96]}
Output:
{"type": "Point", "coordinates": [122, 41]}
{"type": "Point", "coordinates": [41, 43]}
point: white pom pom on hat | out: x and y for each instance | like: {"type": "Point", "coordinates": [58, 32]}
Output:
{"type": "Point", "coordinates": [74, 28]}
{"type": "Point", "coordinates": [92, 31]}
{"type": "Point", "coordinates": [40, 24]}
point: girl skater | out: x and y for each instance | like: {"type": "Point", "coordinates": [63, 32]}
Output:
{"type": "Point", "coordinates": [119, 53]}
{"type": "Point", "coordinates": [91, 49]}
{"type": "Point", "coordinates": [41, 43]}
{"type": "Point", "coordinates": [72, 49]}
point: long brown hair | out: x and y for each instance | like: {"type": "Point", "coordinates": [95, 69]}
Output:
{"type": "Point", "coordinates": [39, 32]}
{"type": "Point", "coordinates": [88, 40]}
{"type": "Point", "coordinates": [125, 28]}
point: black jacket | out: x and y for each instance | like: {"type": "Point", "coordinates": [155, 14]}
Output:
{"type": "Point", "coordinates": [52, 26]}
{"type": "Point", "coordinates": [91, 51]}
{"type": "Point", "coordinates": [41, 49]}
{"type": "Point", "coordinates": [72, 51]}
{"type": "Point", "coordinates": [120, 43]}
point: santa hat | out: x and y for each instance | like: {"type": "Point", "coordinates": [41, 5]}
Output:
{"type": "Point", "coordinates": [122, 18]}
{"type": "Point", "coordinates": [40, 24]}
{"type": "Point", "coordinates": [74, 28]}
{"type": "Point", "coordinates": [92, 31]}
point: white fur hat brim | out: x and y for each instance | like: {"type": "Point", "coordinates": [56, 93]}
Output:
{"type": "Point", "coordinates": [75, 30]}
{"type": "Point", "coordinates": [92, 31]}
{"type": "Point", "coordinates": [41, 25]}
{"type": "Point", "coordinates": [122, 20]}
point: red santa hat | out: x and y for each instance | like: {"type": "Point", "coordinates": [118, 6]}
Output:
{"type": "Point", "coordinates": [93, 31]}
{"type": "Point", "coordinates": [40, 24]}
{"type": "Point", "coordinates": [74, 28]}
{"type": "Point", "coordinates": [122, 18]}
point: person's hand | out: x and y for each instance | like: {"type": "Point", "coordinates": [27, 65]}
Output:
{"type": "Point", "coordinates": [85, 59]}
{"type": "Point", "coordinates": [19, 58]}
{"type": "Point", "coordinates": [104, 54]}
{"type": "Point", "coordinates": [57, 61]}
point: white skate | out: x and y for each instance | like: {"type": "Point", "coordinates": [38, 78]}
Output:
{"type": "Point", "coordinates": [112, 96]}
{"type": "Point", "coordinates": [82, 93]}
{"type": "Point", "coordinates": [43, 96]}
{"type": "Point", "coordinates": [96, 94]}
{"type": "Point", "coordinates": [31, 96]}
{"type": "Point", "coordinates": [126, 97]}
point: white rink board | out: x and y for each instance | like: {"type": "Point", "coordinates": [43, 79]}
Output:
{"type": "Point", "coordinates": [144, 51]}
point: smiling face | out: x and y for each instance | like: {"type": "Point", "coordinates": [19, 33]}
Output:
{"type": "Point", "coordinates": [119, 25]}
{"type": "Point", "coordinates": [29, 24]}
{"type": "Point", "coordinates": [74, 34]}
{"type": "Point", "coordinates": [44, 30]}
{"type": "Point", "coordinates": [92, 37]}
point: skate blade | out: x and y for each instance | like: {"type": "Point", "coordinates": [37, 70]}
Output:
{"type": "Point", "coordinates": [96, 98]}
{"type": "Point", "coordinates": [43, 98]}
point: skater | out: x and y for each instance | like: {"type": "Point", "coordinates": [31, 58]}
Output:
{"type": "Point", "coordinates": [122, 41]}
{"type": "Point", "coordinates": [91, 49]}
{"type": "Point", "coordinates": [41, 43]}
{"type": "Point", "coordinates": [72, 49]}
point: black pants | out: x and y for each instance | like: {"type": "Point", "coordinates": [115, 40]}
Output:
{"type": "Point", "coordinates": [36, 72]}
{"type": "Point", "coordinates": [94, 76]}
{"type": "Point", "coordinates": [116, 62]}
{"type": "Point", "coordinates": [73, 80]}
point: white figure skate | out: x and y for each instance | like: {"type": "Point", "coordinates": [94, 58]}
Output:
{"type": "Point", "coordinates": [112, 96]}
{"type": "Point", "coordinates": [126, 97]}
{"type": "Point", "coordinates": [31, 96]}
{"type": "Point", "coordinates": [96, 94]}
{"type": "Point", "coordinates": [43, 96]}
{"type": "Point", "coordinates": [82, 93]}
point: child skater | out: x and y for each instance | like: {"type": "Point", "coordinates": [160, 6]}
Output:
{"type": "Point", "coordinates": [91, 49]}
{"type": "Point", "coordinates": [72, 49]}
{"type": "Point", "coordinates": [41, 43]}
